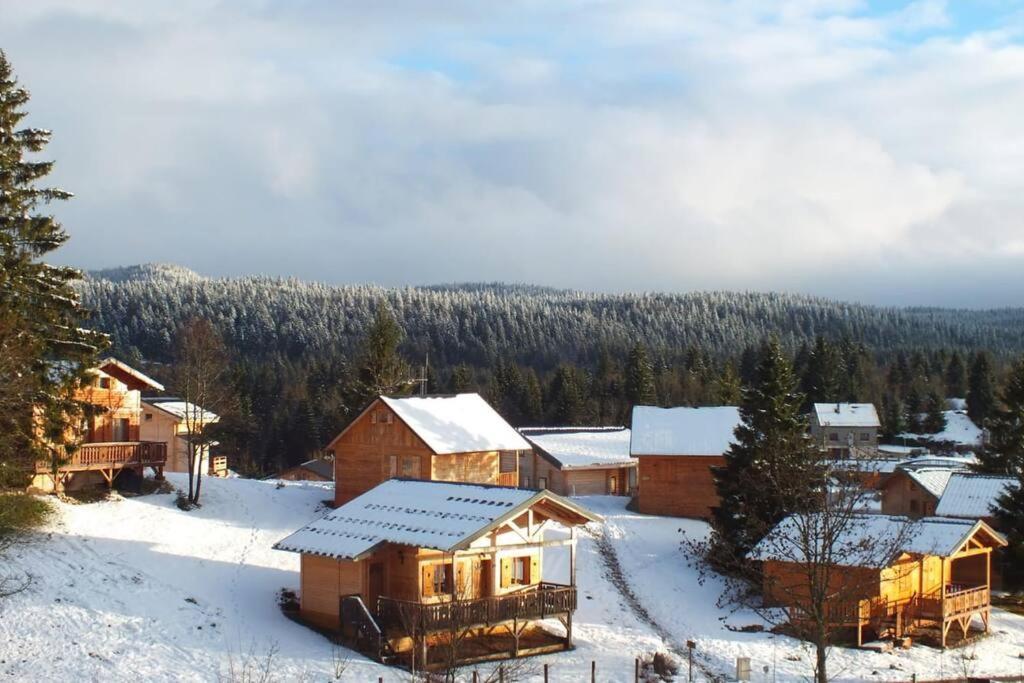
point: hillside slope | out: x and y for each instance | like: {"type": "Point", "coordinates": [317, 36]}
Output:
{"type": "Point", "coordinates": [141, 306]}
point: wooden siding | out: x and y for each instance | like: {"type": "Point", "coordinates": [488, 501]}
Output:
{"type": "Point", "coordinates": [323, 581]}
{"type": "Point", "coordinates": [677, 485]}
{"type": "Point", "coordinates": [378, 446]}
{"type": "Point", "coordinates": [901, 495]}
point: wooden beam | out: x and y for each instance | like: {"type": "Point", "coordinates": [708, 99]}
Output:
{"type": "Point", "coordinates": [557, 543]}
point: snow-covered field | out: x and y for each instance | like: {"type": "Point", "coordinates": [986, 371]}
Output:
{"type": "Point", "coordinates": [135, 589]}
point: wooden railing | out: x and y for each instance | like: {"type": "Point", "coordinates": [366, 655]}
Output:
{"type": "Point", "coordinates": [965, 601]}
{"type": "Point", "coordinates": [546, 600]}
{"type": "Point", "coordinates": [359, 629]}
{"type": "Point", "coordinates": [112, 454]}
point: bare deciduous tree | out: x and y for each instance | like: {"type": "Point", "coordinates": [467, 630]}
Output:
{"type": "Point", "coordinates": [201, 378]}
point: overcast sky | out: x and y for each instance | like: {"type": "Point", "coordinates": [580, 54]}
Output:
{"type": "Point", "coordinates": [864, 151]}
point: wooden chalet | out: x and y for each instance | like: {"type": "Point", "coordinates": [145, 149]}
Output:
{"type": "Point", "coordinates": [108, 442]}
{"type": "Point", "coordinates": [440, 438]}
{"type": "Point", "coordinates": [579, 461]}
{"type": "Point", "coordinates": [677, 449]}
{"type": "Point", "coordinates": [940, 579]}
{"type": "Point", "coordinates": [914, 492]}
{"type": "Point", "coordinates": [429, 574]}
{"type": "Point", "coordinates": [165, 419]}
{"type": "Point", "coordinates": [317, 469]}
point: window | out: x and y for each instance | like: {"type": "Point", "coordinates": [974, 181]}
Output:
{"type": "Point", "coordinates": [520, 571]}
{"type": "Point", "coordinates": [149, 416]}
{"type": "Point", "coordinates": [120, 429]}
{"type": "Point", "coordinates": [104, 382]}
{"type": "Point", "coordinates": [864, 436]}
{"type": "Point", "coordinates": [437, 579]}
{"type": "Point", "coordinates": [392, 465]}
{"type": "Point", "coordinates": [833, 436]}
{"type": "Point", "coordinates": [380, 417]}
{"type": "Point", "coordinates": [411, 466]}
{"type": "Point", "coordinates": [507, 461]}
{"type": "Point", "coordinates": [542, 482]}
{"type": "Point", "coordinates": [913, 506]}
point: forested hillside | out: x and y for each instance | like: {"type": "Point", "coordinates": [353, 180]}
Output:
{"type": "Point", "coordinates": [478, 324]}
{"type": "Point", "coordinates": [306, 357]}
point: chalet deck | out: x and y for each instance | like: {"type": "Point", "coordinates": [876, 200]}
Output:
{"type": "Point", "coordinates": [426, 574]}
{"type": "Point", "coordinates": [942, 581]}
{"type": "Point", "coordinates": [109, 459]}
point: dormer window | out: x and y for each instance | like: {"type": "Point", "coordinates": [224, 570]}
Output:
{"type": "Point", "coordinates": [104, 382]}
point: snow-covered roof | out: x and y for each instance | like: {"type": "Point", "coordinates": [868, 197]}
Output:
{"type": "Point", "coordinates": [324, 468]}
{"type": "Point", "coordinates": [931, 479]}
{"type": "Point", "coordinates": [873, 540]}
{"type": "Point", "coordinates": [846, 414]}
{"type": "Point", "coordinates": [113, 366]}
{"type": "Point", "coordinates": [972, 495]}
{"type": "Point", "coordinates": [181, 409]}
{"type": "Point", "coordinates": [936, 461]}
{"type": "Point", "coordinates": [461, 423]}
{"type": "Point", "coordinates": [582, 447]}
{"type": "Point", "coordinates": [683, 431]}
{"type": "Point", "coordinates": [443, 516]}
{"type": "Point", "coordinates": [902, 450]}
{"type": "Point", "coordinates": [960, 429]}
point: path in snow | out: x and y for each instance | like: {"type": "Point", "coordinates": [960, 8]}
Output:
{"type": "Point", "coordinates": [615, 574]}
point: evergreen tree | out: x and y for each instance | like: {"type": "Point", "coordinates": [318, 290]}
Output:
{"type": "Point", "coordinates": [381, 369]}
{"type": "Point", "coordinates": [565, 397]}
{"type": "Point", "coordinates": [1004, 454]}
{"type": "Point", "coordinates": [912, 403]}
{"type": "Point", "coordinates": [956, 376]}
{"type": "Point", "coordinates": [461, 379]}
{"type": "Point", "coordinates": [728, 391]}
{"type": "Point", "coordinates": [892, 420]}
{"type": "Point", "coordinates": [44, 354]}
{"type": "Point", "coordinates": [981, 393]}
{"type": "Point", "coordinates": [934, 415]}
{"type": "Point", "coordinates": [1009, 517]}
{"type": "Point", "coordinates": [822, 381]}
{"type": "Point", "coordinates": [640, 378]}
{"type": "Point", "coordinates": [531, 405]}
{"type": "Point", "coordinates": [770, 469]}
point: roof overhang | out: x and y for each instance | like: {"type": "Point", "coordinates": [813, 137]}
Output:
{"type": "Point", "coordinates": [127, 374]}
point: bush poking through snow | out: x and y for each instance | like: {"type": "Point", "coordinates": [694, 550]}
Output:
{"type": "Point", "coordinates": [183, 503]}
{"type": "Point", "coordinates": [658, 666]}
{"type": "Point", "coordinates": [250, 666]}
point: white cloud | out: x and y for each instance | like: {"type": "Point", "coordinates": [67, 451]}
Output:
{"type": "Point", "coordinates": [590, 144]}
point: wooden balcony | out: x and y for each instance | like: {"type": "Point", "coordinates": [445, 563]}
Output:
{"type": "Point", "coordinates": [111, 455]}
{"type": "Point", "coordinates": [405, 617]}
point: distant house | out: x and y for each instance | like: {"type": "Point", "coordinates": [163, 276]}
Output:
{"type": "Point", "coordinates": [316, 469]}
{"type": "Point", "coordinates": [676, 451]}
{"type": "Point", "coordinates": [914, 492]}
{"type": "Point", "coordinates": [970, 495]}
{"type": "Point", "coordinates": [443, 438]}
{"type": "Point", "coordinates": [940, 579]}
{"type": "Point", "coordinates": [402, 567]}
{"type": "Point", "coordinates": [109, 441]}
{"type": "Point", "coordinates": [839, 427]}
{"type": "Point", "coordinates": [579, 461]}
{"type": "Point", "coordinates": [166, 420]}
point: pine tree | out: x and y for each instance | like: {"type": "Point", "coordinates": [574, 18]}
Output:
{"type": "Point", "coordinates": [822, 381]}
{"type": "Point", "coordinates": [956, 376]}
{"type": "Point", "coordinates": [565, 397]}
{"type": "Point", "coordinates": [892, 420]}
{"type": "Point", "coordinates": [44, 354]}
{"type": "Point", "coordinates": [912, 403]}
{"type": "Point", "coordinates": [1004, 454]}
{"type": "Point", "coordinates": [1009, 517]}
{"type": "Point", "coordinates": [728, 391]}
{"type": "Point", "coordinates": [770, 468]}
{"type": "Point", "coordinates": [981, 393]}
{"type": "Point", "coordinates": [381, 369]}
{"type": "Point", "coordinates": [934, 415]}
{"type": "Point", "coordinates": [461, 379]}
{"type": "Point", "coordinates": [531, 405]}
{"type": "Point", "coordinates": [640, 378]}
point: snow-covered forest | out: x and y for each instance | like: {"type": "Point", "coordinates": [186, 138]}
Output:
{"type": "Point", "coordinates": [477, 324]}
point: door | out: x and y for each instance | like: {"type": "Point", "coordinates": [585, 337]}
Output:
{"type": "Point", "coordinates": [613, 485]}
{"type": "Point", "coordinates": [120, 429]}
{"type": "Point", "coordinates": [375, 585]}
{"type": "Point", "coordinates": [483, 578]}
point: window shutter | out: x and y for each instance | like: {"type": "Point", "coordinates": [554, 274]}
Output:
{"type": "Point", "coordinates": [534, 576]}
{"type": "Point", "coordinates": [428, 580]}
{"type": "Point", "coordinates": [506, 572]}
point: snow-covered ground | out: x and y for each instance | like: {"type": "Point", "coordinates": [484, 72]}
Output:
{"type": "Point", "coordinates": [135, 589]}
{"type": "Point", "coordinates": [960, 430]}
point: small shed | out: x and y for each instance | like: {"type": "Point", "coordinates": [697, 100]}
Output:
{"type": "Point", "coordinates": [424, 573]}
{"type": "Point", "coordinates": [677, 450]}
{"type": "Point", "coordinates": [579, 461]}
{"type": "Point", "coordinates": [940, 576]}
{"type": "Point", "coordinates": [316, 469]}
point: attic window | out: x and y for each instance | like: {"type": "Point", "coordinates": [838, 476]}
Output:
{"type": "Point", "coordinates": [104, 382]}
{"type": "Point", "coordinates": [149, 416]}
{"type": "Point", "coordinates": [383, 417]}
